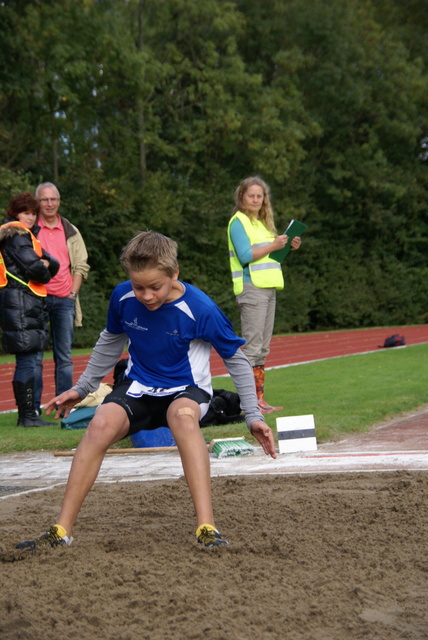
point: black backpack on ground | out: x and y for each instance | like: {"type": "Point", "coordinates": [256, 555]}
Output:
{"type": "Point", "coordinates": [394, 341]}
{"type": "Point", "coordinates": [225, 408]}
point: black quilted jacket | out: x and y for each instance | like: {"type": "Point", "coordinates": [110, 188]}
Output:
{"type": "Point", "coordinates": [23, 316]}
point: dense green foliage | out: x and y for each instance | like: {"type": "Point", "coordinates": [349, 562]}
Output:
{"type": "Point", "coordinates": [147, 114]}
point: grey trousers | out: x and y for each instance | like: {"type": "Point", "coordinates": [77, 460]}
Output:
{"type": "Point", "coordinates": [257, 311]}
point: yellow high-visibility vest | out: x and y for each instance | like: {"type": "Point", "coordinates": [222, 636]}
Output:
{"type": "Point", "coordinates": [265, 273]}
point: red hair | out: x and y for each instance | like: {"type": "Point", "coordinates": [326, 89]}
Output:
{"type": "Point", "coordinates": [22, 203]}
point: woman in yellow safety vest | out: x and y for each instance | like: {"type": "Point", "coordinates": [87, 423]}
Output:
{"type": "Point", "coordinates": [256, 277]}
{"type": "Point", "coordinates": [24, 268]}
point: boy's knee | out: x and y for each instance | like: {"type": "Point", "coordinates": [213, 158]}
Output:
{"type": "Point", "coordinates": [104, 428]}
{"type": "Point", "coordinates": [96, 426]}
{"type": "Point", "coordinates": [186, 411]}
{"type": "Point", "coordinates": [183, 417]}
{"type": "Point", "coordinates": [97, 422]}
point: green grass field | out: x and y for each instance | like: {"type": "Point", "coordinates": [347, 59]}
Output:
{"type": "Point", "coordinates": [348, 394]}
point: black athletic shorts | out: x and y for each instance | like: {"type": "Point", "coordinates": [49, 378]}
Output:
{"type": "Point", "coordinates": [149, 412]}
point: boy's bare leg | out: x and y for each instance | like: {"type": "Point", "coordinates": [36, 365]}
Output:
{"type": "Point", "coordinates": [183, 420]}
{"type": "Point", "coordinates": [109, 424]}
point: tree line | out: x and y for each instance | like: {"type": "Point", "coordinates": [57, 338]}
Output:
{"type": "Point", "coordinates": [148, 113]}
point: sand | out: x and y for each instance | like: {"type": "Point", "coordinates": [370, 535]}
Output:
{"type": "Point", "coordinates": [311, 557]}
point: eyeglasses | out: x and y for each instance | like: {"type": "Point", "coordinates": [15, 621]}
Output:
{"type": "Point", "coordinates": [46, 200]}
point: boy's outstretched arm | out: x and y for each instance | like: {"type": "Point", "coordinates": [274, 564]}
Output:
{"type": "Point", "coordinates": [107, 351]}
{"type": "Point", "coordinates": [242, 375]}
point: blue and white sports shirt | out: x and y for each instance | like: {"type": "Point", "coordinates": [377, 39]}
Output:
{"type": "Point", "coordinates": [170, 348]}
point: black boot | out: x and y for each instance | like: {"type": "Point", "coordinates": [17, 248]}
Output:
{"type": "Point", "coordinates": [24, 396]}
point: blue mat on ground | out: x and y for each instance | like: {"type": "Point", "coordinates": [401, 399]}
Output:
{"type": "Point", "coordinates": [160, 437]}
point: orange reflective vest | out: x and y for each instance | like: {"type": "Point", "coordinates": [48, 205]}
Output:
{"type": "Point", "coordinates": [38, 289]}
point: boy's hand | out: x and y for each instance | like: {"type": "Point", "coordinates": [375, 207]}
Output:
{"type": "Point", "coordinates": [264, 435]}
{"type": "Point", "coordinates": [63, 403]}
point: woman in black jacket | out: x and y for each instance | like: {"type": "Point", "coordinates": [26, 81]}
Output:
{"type": "Point", "coordinates": [24, 268]}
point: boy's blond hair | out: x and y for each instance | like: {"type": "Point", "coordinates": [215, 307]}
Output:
{"type": "Point", "coordinates": [150, 250]}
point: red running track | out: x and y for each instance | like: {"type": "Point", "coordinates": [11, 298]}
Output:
{"type": "Point", "coordinates": [285, 351]}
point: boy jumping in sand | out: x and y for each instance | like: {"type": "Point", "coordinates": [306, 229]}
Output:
{"type": "Point", "coordinates": [170, 328]}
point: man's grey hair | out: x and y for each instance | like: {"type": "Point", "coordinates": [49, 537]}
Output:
{"type": "Point", "coordinates": [47, 184]}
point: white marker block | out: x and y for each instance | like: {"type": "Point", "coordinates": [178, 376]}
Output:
{"type": "Point", "coordinates": [296, 433]}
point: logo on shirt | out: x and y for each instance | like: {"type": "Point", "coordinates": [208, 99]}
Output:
{"type": "Point", "coordinates": [134, 325]}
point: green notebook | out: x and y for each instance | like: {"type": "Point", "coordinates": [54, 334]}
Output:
{"type": "Point", "coordinates": [294, 229]}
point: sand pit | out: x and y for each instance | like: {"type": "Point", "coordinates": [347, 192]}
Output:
{"type": "Point", "coordinates": [316, 557]}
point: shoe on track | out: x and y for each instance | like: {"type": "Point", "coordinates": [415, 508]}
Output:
{"type": "Point", "coordinates": [207, 535]}
{"type": "Point", "coordinates": [267, 408]}
{"type": "Point", "coordinates": [52, 538]}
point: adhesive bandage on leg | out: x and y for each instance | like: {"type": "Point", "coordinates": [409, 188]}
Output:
{"type": "Point", "coordinates": [186, 411]}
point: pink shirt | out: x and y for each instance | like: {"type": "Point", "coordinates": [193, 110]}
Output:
{"type": "Point", "coordinates": [53, 241]}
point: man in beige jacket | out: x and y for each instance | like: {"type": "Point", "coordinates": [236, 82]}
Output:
{"type": "Point", "coordinates": [66, 244]}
